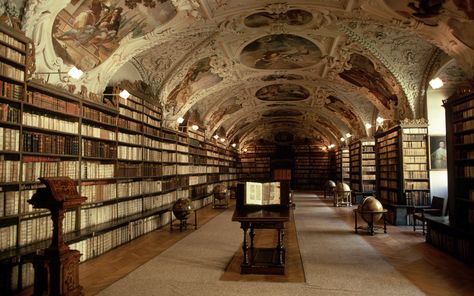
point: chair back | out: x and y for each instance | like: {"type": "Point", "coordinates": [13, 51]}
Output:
{"type": "Point", "coordinates": [440, 203]}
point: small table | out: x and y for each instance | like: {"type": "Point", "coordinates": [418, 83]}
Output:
{"type": "Point", "coordinates": [262, 260]}
{"type": "Point", "coordinates": [183, 224]}
{"type": "Point", "coordinates": [370, 227]}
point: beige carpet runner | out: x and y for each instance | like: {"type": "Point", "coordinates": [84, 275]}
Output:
{"type": "Point", "coordinates": [336, 262]}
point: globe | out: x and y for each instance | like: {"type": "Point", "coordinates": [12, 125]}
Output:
{"type": "Point", "coordinates": [342, 187]}
{"type": "Point", "coordinates": [330, 184]}
{"type": "Point", "coordinates": [220, 192]}
{"type": "Point", "coordinates": [370, 204]}
{"type": "Point", "coordinates": [182, 208]}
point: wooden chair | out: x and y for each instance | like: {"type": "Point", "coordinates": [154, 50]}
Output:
{"type": "Point", "coordinates": [438, 208]}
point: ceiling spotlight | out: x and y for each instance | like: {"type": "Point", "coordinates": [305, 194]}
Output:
{"type": "Point", "coordinates": [348, 135]}
{"type": "Point", "coordinates": [124, 94]}
{"type": "Point", "coordinates": [368, 125]}
{"type": "Point", "coordinates": [216, 137]}
{"type": "Point", "coordinates": [234, 145]}
{"type": "Point", "coordinates": [379, 120]}
{"type": "Point", "coordinates": [342, 139]}
{"type": "Point", "coordinates": [245, 150]}
{"type": "Point", "coordinates": [195, 127]}
{"type": "Point", "coordinates": [180, 120]}
{"type": "Point", "coordinates": [75, 73]}
{"type": "Point", "coordinates": [436, 83]}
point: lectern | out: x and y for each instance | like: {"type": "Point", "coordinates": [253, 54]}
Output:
{"type": "Point", "coordinates": [262, 209]}
{"type": "Point", "coordinates": [57, 268]}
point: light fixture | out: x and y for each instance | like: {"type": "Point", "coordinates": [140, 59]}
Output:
{"type": "Point", "coordinates": [124, 94]}
{"type": "Point", "coordinates": [180, 120]}
{"type": "Point", "coordinates": [379, 120]}
{"type": "Point", "coordinates": [195, 127]}
{"type": "Point", "coordinates": [234, 145]}
{"type": "Point", "coordinates": [342, 139]}
{"type": "Point", "coordinates": [331, 146]}
{"type": "Point", "coordinates": [368, 125]}
{"type": "Point", "coordinates": [245, 149]}
{"type": "Point", "coordinates": [222, 140]}
{"type": "Point", "coordinates": [324, 148]}
{"type": "Point", "coordinates": [216, 137]}
{"type": "Point", "coordinates": [436, 83]}
{"type": "Point", "coordinates": [75, 73]}
{"type": "Point", "coordinates": [348, 135]}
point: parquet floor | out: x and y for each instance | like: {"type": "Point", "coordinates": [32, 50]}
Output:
{"type": "Point", "coordinates": [433, 271]}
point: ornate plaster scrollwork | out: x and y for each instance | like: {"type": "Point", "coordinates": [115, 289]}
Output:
{"type": "Point", "coordinates": [322, 18]}
{"type": "Point", "coordinates": [277, 8]}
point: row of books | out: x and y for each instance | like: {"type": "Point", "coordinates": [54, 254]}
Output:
{"type": "Point", "coordinates": [128, 124]}
{"type": "Point", "coordinates": [9, 113]}
{"type": "Point", "coordinates": [415, 130]}
{"type": "Point", "coordinates": [417, 185]}
{"type": "Point", "coordinates": [99, 192]}
{"type": "Point", "coordinates": [461, 248]}
{"type": "Point", "coordinates": [96, 170]}
{"type": "Point", "coordinates": [130, 114]}
{"type": "Point", "coordinates": [12, 72]}
{"type": "Point", "coordinates": [12, 41]}
{"type": "Point", "coordinates": [48, 102]}
{"type": "Point", "coordinates": [414, 152]}
{"type": "Point", "coordinates": [41, 228]}
{"type": "Point", "coordinates": [132, 102]}
{"type": "Point", "coordinates": [423, 174]}
{"type": "Point", "coordinates": [390, 136]}
{"type": "Point", "coordinates": [417, 198]}
{"type": "Point", "coordinates": [393, 184]}
{"type": "Point", "coordinates": [388, 148]}
{"type": "Point", "coordinates": [464, 139]}
{"type": "Point", "coordinates": [467, 171]}
{"type": "Point", "coordinates": [462, 106]}
{"type": "Point", "coordinates": [464, 126]}
{"type": "Point", "coordinates": [9, 139]}
{"type": "Point", "coordinates": [50, 122]}
{"type": "Point", "coordinates": [128, 170]}
{"type": "Point", "coordinates": [390, 196]}
{"type": "Point", "coordinates": [414, 144]}
{"type": "Point", "coordinates": [91, 148]}
{"type": "Point", "coordinates": [99, 116]}
{"type": "Point", "coordinates": [97, 132]}
{"type": "Point", "coordinates": [152, 155]}
{"type": "Point", "coordinates": [151, 121]}
{"type": "Point", "coordinates": [8, 237]}
{"type": "Point", "coordinates": [125, 189]}
{"type": "Point", "coordinates": [129, 152]}
{"type": "Point", "coordinates": [53, 144]}
{"type": "Point", "coordinates": [129, 138]}
{"type": "Point", "coordinates": [36, 168]}
{"type": "Point", "coordinates": [388, 168]}
{"type": "Point", "coordinates": [11, 90]}
{"type": "Point", "coordinates": [414, 159]}
{"type": "Point", "coordinates": [414, 138]}
{"type": "Point", "coordinates": [9, 171]}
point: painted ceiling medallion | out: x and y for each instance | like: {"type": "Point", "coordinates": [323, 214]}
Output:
{"type": "Point", "coordinates": [282, 92]}
{"type": "Point", "coordinates": [282, 113]}
{"type": "Point", "coordinates": [280, 51]}
{"type": "Point", "coordinates": [294, 17]}
{"type": "Point", "coordinates": [85, 33]}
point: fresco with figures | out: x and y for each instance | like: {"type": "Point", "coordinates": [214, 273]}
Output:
{"type": "Point", "coordinates": [460, 15]}
{"type": "Point", "coordinates": [282, 113]}
{"type": "Point", "coordinates": [198, 77]}
{"type": "Point", "coordinates": [363, 74]}
{"type": "Point", "coordinates": [293, 17]}
{"type": "Point", "coordinates": [282, 92]}
{"type": "Point", "coordinates": [280, 51]}
{"type": "Point", "coordinates": [87, 32]}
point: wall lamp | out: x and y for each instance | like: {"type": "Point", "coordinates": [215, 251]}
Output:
{"type": "Point", "coordinates": [74, 73]}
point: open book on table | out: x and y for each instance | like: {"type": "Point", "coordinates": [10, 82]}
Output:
{"type": "Point", "coordinates": [262, 193]}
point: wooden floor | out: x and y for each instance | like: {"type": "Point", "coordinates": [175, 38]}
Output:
{"type": "Point", "coordinates": [434, 272]}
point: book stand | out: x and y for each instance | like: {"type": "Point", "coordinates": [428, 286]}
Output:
{"type": "Point", "coordinates": [57, 268]}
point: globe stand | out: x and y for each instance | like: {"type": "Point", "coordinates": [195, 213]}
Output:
{"type": "Point", "coordinates": [181, 210]}
{"type": "Point", "coordinates": [370, 223]}
{"type": "Point", "coordinates": [220, 197]}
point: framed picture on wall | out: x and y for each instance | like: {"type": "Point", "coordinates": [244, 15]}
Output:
{"type": "Point", "coordinates": [438, 152]}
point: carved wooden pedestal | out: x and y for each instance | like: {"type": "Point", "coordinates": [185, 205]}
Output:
{"type": "Point", "coordinates": [57, 269]}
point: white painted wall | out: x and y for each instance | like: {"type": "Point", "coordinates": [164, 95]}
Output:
{"type": "Point", "coordinates": [437, 126]}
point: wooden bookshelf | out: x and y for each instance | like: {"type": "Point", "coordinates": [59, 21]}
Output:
{"type": "Point", "coordinates": [362, 165]}
{"type": "Point", "coordinates": [456, 234]}
{"type": "Point", "coordinates": [403, 169]}
{"type": "Point", "coordinates": [129, 167]}
{"type": "Point", "coordinates": [311, 167]}
{"type": "Point", "coordinates": [343, 165]}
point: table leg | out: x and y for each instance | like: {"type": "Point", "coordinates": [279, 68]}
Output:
{"type": "Point", "coordinates": [355, 222]}
{"type": "Point", "coordinates": [279, 247]}
{"type": "Point", "coordinates": [384, 223]}
{"type": "Point", "coordinates": [195, 220]}
{"type": "Point", "coordinates": [252, 236]}
{"type": "Point", "coordinates": [245, 248]}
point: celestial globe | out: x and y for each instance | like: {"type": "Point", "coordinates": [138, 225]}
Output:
{"type": "Point", "coordinates": [341, 187]}
{"type": "Point", "coordinates": [330, 184]}
{"type": "Point", "coordinates": [220, 192]}
{"type": "Point", "coordinates": [370, 204]}
{"type": "Point", "coordinates": [182, 208]}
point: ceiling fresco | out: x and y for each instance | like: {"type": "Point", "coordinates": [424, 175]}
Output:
{"type": "Point", "coordinates": [280, 51]}
{"type": "Point", "coordinates": [257, 69]}
{"type": "Point", "coordinates": [85, 33]}
{"type": "Point", "coordinates": [282, 92]}
{"type": "Point", "coordinates": [293, 17]}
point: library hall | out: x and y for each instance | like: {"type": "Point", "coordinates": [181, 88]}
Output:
{"type": "Point", "coordinates": [236, 147]}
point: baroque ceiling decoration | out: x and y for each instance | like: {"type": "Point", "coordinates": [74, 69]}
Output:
{"type": "Point", "coordinates": [246, 67]}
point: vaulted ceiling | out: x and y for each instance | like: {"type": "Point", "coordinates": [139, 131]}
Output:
{"type": "Point", "coordinates": [262, 70]}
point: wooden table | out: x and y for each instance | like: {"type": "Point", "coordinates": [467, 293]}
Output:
{"type": "Point", "coordinates": [262, 260]}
